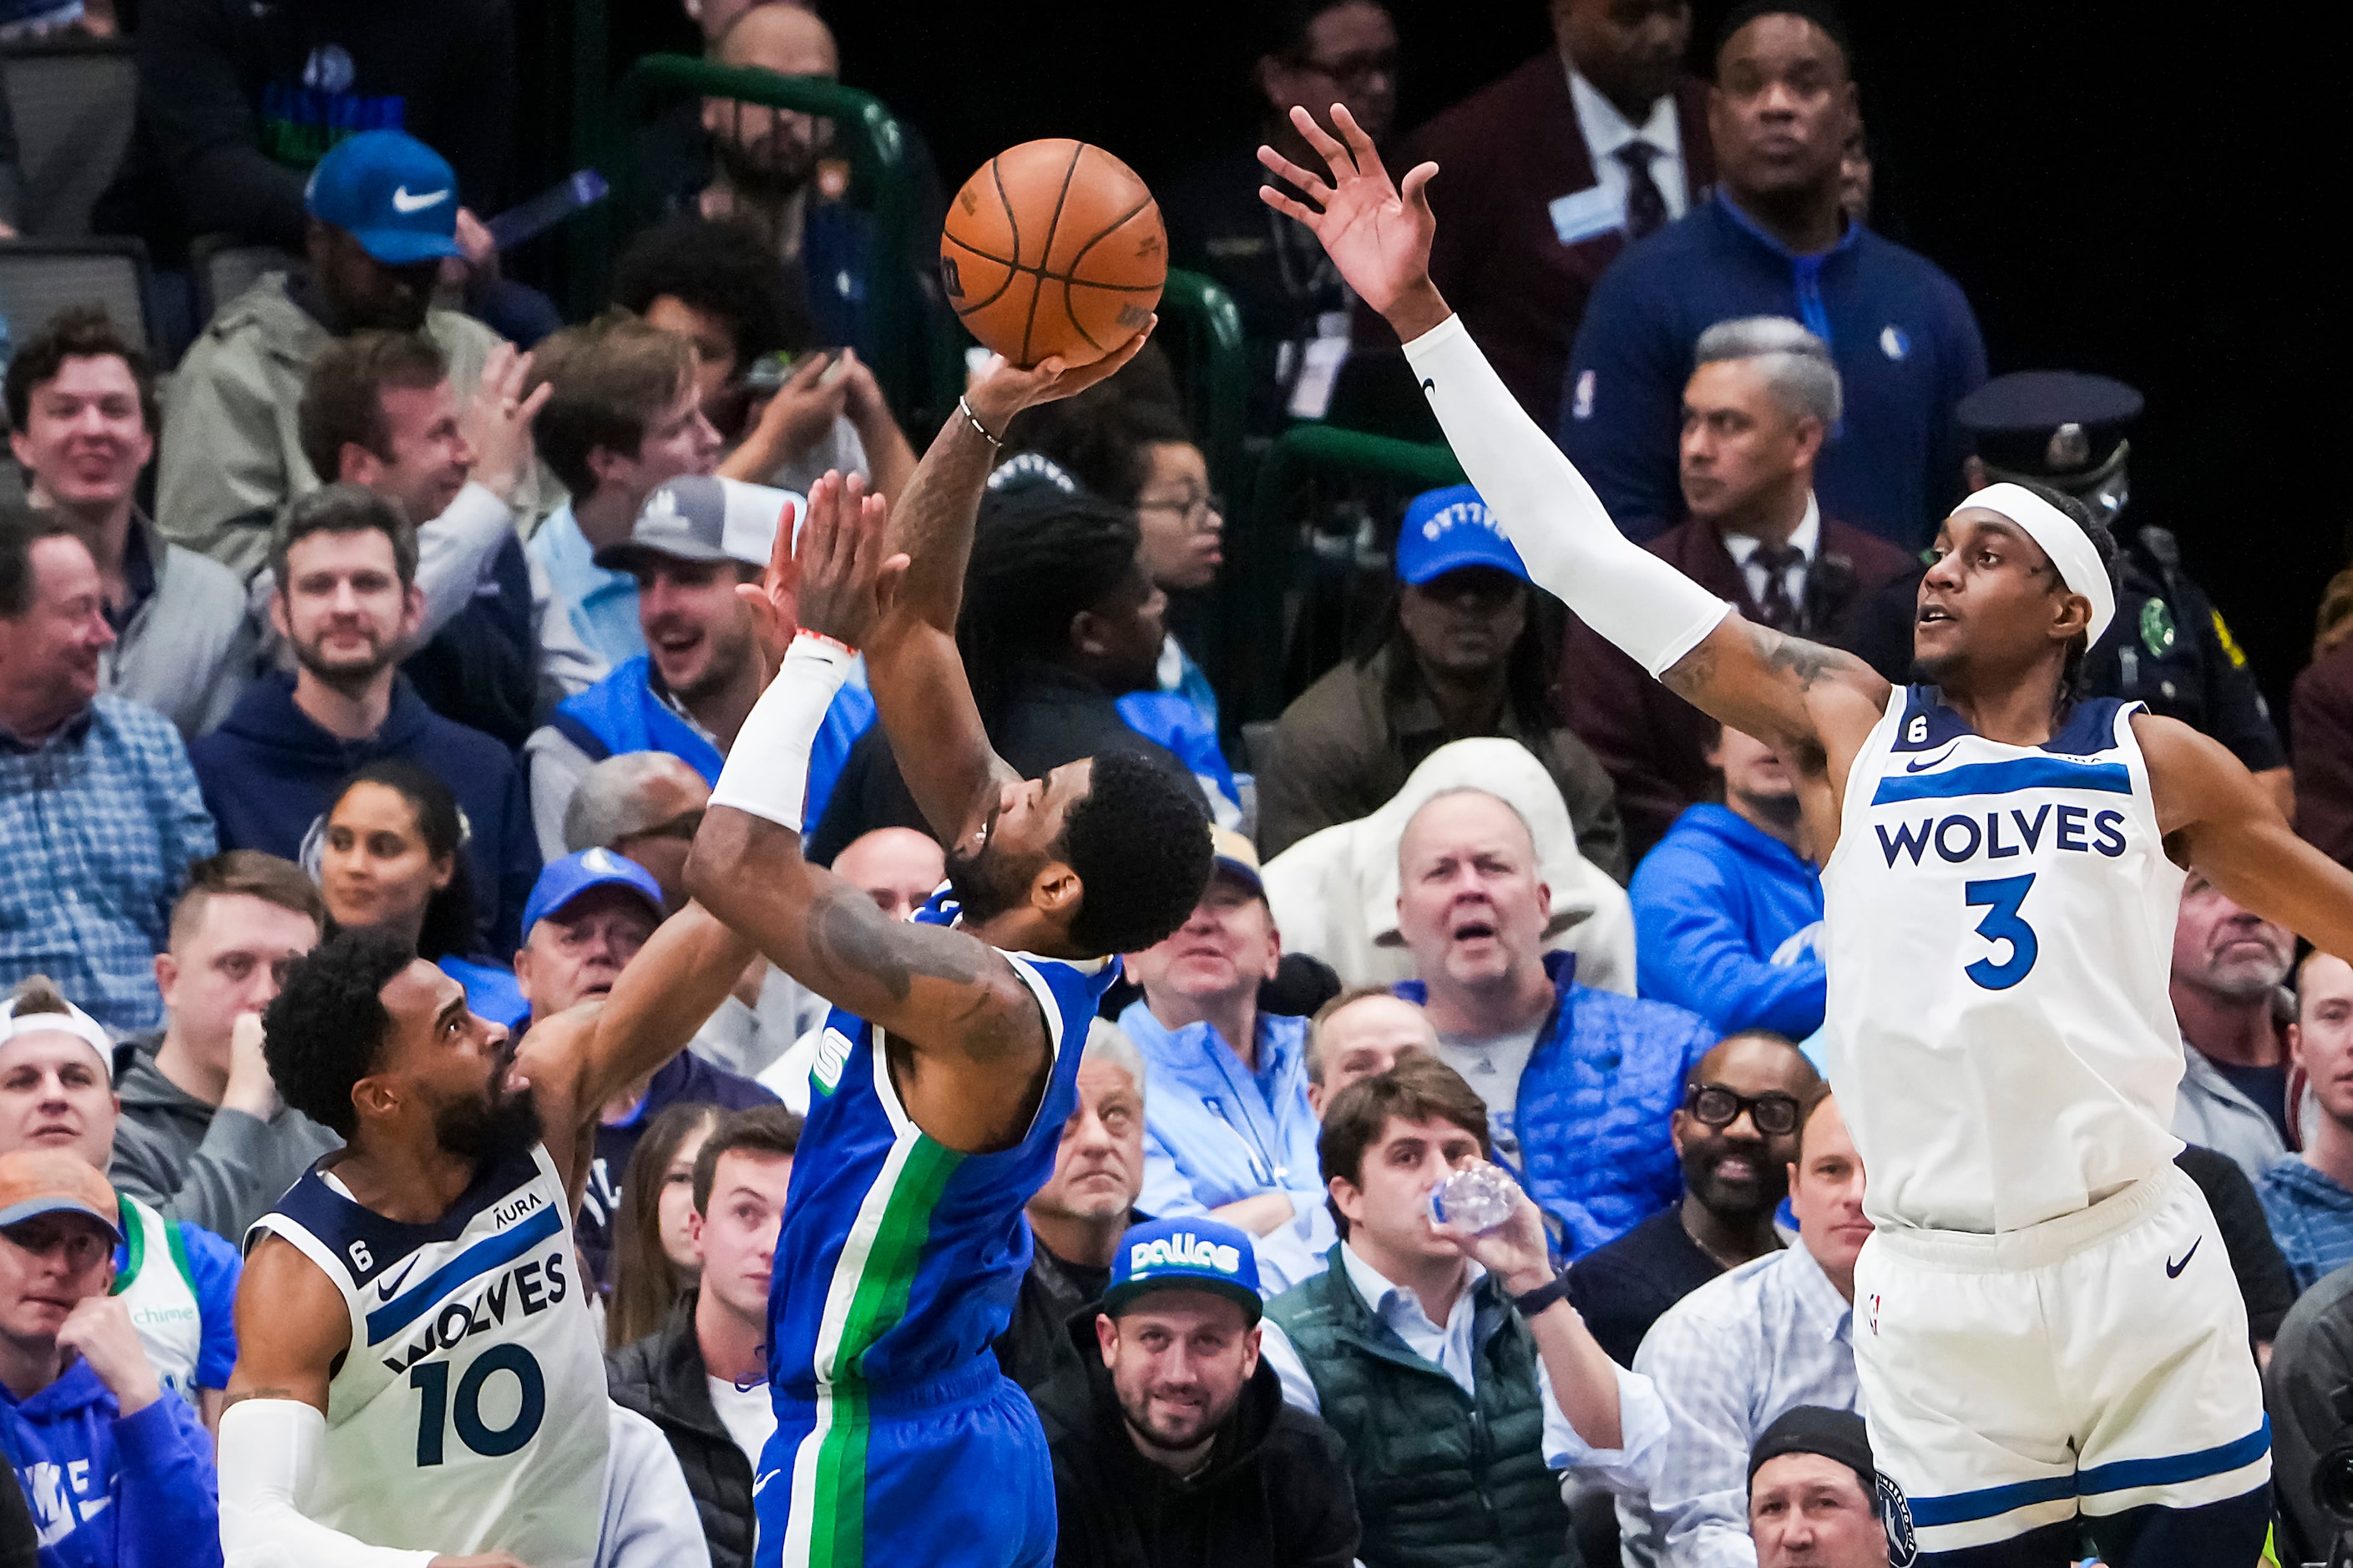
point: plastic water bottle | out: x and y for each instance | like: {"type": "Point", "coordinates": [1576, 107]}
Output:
{"type": "Point", "coordinates": [1477, 1199]}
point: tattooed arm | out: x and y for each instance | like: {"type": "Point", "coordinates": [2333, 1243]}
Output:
{"type": "Point", "coordinates": [971, 1026]}
{"type": "Point", "coordinates": [1815, 701]}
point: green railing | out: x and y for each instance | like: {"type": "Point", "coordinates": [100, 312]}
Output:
{"type": "Point", "coordinates": [1202, 330]}
{"type": "Point", "coordinates": [881, 167]}
{"type": "Point", "coordinates": [1264, 564]}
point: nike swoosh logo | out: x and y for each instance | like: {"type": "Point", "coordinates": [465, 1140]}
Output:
{"type": "Point", "coordinates": [403, 201]}
{"type": "Point", "coordinates": [2172, 1269]}
{"type": "Point", "coordinates": [1935, 761]}
{"type": "Point", "coordinates": [385, 1290]}
{"type": "Point", "coordinates": [764, 1480]}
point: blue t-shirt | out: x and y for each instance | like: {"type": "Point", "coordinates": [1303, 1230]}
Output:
{"type": "Point", "coordinates": [1900, 331]}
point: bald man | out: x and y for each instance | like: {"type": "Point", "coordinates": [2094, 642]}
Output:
{"type": "Point", "coordinates": [1578, 1083]}
{"type": "Point", "coordinates": [1359, 1035]}
{"type": "Point", "coordinates": [784, 173]}
{"type": "Point", "coordinates": [1736, 1135]}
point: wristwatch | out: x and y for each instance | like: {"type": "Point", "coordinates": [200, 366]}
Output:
{"type": "Point", "coordinates": [1543, 1295]}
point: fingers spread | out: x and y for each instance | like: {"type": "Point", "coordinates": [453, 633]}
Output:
{"type": "Point", "coordinates": [1288, 207]}
{"type": "Point", "coordinates": [1291, 174]}
{"type": "Point", "coordinates": [1327, 149]}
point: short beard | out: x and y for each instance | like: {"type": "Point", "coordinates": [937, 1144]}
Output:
{"type": "Point", "coordinates": [1932, 671]}
{"type": "Point", "coordinates": [1772, 1180]}
{"type": "Point", "coordinates": [481, 1129]}
{"type": "Point", "coordinates": [757, 178]}
{"type": "Point", "coordinates": [984, 885]}
{"type": "Point", "coordinates": [347, 679]}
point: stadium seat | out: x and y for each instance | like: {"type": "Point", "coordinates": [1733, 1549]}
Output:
{"type": "Point", "coordinates": [224, 268]}
{"type": "Point", "coordinates": [73, 101]}
{"type": "Point", "coordinates": [40, 277]}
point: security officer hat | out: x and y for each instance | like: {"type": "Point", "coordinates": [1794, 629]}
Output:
{"type": "Point", "coordinates": [2060, 427]}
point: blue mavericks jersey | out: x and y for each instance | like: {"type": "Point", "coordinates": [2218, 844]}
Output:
{"type": "Point", "coordinates": [900, 1258]}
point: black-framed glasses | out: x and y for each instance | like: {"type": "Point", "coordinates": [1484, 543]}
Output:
{"type": "Point", "coordinates": [1712, 1105]}
{"type": "Point", "coordinates": [1194, 509]}
{"type": "Point", "coordinates": [1352, 70]}
{"type": "Point", "coordinates": [683, 826]}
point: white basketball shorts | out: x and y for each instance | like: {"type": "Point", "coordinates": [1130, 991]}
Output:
{"type": "Point", "coordinates": [2091, 1364]}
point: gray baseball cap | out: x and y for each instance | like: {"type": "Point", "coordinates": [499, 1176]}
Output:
{"type": "Point", "coordinates": [701, 517]}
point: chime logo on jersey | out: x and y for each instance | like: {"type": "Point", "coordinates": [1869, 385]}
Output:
{"type": "Point", "coordinates": [832, 1056]}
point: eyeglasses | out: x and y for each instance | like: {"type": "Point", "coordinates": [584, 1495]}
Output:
{"type": "Point", "coordinates": [1352, 70]}
{"type": "Point", "coordinates": [682, 825]}
{"type": "Point", "coordinates": [1712, 1105]}
{"type": "Point", "coordinates": [1195, 509]}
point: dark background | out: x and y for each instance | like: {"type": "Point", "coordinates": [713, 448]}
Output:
{"type": "Point", "coordinates": [2126, 189]}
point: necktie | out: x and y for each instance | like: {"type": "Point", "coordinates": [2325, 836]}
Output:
{"type": "Point", "coordinates": [1646, 208]}
{"type": "Point", "coordinates": [1774, 607]}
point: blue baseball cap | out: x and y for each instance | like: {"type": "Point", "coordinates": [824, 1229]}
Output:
{"type": "Point", "coordinates": [566, 879]}
{"type": "Point", "coordinates": [1447, 530]}
{"type": "Point", "coordinates": [392, 193]}
{"type": "Point", "coordinates": [1184, 1255]}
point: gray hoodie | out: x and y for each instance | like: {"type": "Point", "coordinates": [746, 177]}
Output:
{"type": "Point", "coordinates": [221, 1169]}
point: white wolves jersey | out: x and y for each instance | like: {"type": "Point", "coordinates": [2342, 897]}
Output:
{"type": "Point", "coordinates": [2001, 933]}
{"type": "Point", "coordinates": [469, 1414]}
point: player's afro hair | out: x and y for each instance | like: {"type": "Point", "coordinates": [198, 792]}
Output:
{"type": "Point", "coordinates": [1140, 843]}
{"type": "Point", "coordinates": [323, 1032]}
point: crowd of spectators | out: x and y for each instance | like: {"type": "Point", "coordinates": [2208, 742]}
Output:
{"type": "Point", "coordinates": [408, 606]}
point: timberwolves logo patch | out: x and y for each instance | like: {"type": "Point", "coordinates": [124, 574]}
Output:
{"type": "Point", "coordinates": [1895, 1513]}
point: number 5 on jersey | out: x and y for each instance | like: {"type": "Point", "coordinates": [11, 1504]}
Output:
{"type": "Point", "coordinates": [2000, 897]}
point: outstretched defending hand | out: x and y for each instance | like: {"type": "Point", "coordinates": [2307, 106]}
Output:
{"type": "Point", "coordinates": [837, 581]}
{"type": "Point", "coordinates": [1376, 234]}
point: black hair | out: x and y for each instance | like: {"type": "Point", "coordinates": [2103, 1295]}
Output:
{"type": "Point", "coordinates": [1139, 840]}
{"type": "Point", "coordinates": [721, 266]}
{"type": "Point", "coordinates": [21, 528]}
{"type": "Point", "coordinates": [1819, 12]}
{"type": "Point", "coordinates": [449, 927]}
{"type": "Point", "coordinates": [1040, 555]}
{"type": "Point", "coordinates": [1284, 24]}
{"type": "Point", "coordinates": [2104, 545]}
{"type": "Point", "coordinates": [1104, 436]}
{"type": "Point", "coordinates": [326, 1029]}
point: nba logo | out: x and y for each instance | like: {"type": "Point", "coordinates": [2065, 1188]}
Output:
{"type": "Point", "coordinates": [1872, 1302]}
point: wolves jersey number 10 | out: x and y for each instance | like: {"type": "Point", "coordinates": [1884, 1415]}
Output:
{"type": "Point", "coordinates": [469, 1414]}
{"type": "Point", "coordinates": [2001, 934]}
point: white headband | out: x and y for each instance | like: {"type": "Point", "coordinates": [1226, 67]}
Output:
{"type": "Point", "coordinates": [72, 1021]}
{"type": "Point", "coordinates": [2069, 547]}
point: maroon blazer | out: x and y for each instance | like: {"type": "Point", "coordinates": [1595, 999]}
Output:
{"type": "Point", "coordinates": [1653, 742]}
{"type": "Point", "coordinates": [1503, 155]}
{"type": "Point", "coordinates": [2320, 721]}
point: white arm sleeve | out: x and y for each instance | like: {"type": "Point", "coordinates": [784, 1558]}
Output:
{"type": "Point", "coordinates": [1551, 515]}
{"type": "Point", "coordinates": [453, 548]}
{"type": "Point", "coordinates": [268, 1453]}
{"type": "Point", "coordinates": [767, 768]}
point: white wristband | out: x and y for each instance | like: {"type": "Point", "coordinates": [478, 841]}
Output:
{"type": "Point", "coordinates": [767, 768]}
{"type": "Point", "coordinates": [1551, 515]}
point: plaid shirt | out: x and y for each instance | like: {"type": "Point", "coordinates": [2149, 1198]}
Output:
{"type": "Point", "coordinates": [1728, 1359]}
{"type": "Point", "coordinates": [2311, 1218]}
{"type": "Point", "coordinates": [98, 825]}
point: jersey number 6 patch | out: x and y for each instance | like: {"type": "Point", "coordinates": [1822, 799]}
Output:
{"type": "Point", "coordinates": [2000, 897]}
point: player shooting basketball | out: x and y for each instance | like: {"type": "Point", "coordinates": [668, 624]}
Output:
{"type": "Point", "coordinates": [950, 1062]}
{"type": "Point", "coordinates": [2045, 1341]}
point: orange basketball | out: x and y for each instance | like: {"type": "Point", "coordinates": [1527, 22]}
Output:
{"type": "Point", "coordinates": [1053, 247]}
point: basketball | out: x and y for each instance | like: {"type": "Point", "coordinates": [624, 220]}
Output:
{"type": "Point", "coordinates": [1054, 248]}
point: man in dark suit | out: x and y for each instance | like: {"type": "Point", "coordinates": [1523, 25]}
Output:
{"type": "Point", "coordinates": [1755, 412]}
{"type": "Point", "coordinates": [1547, 173]}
